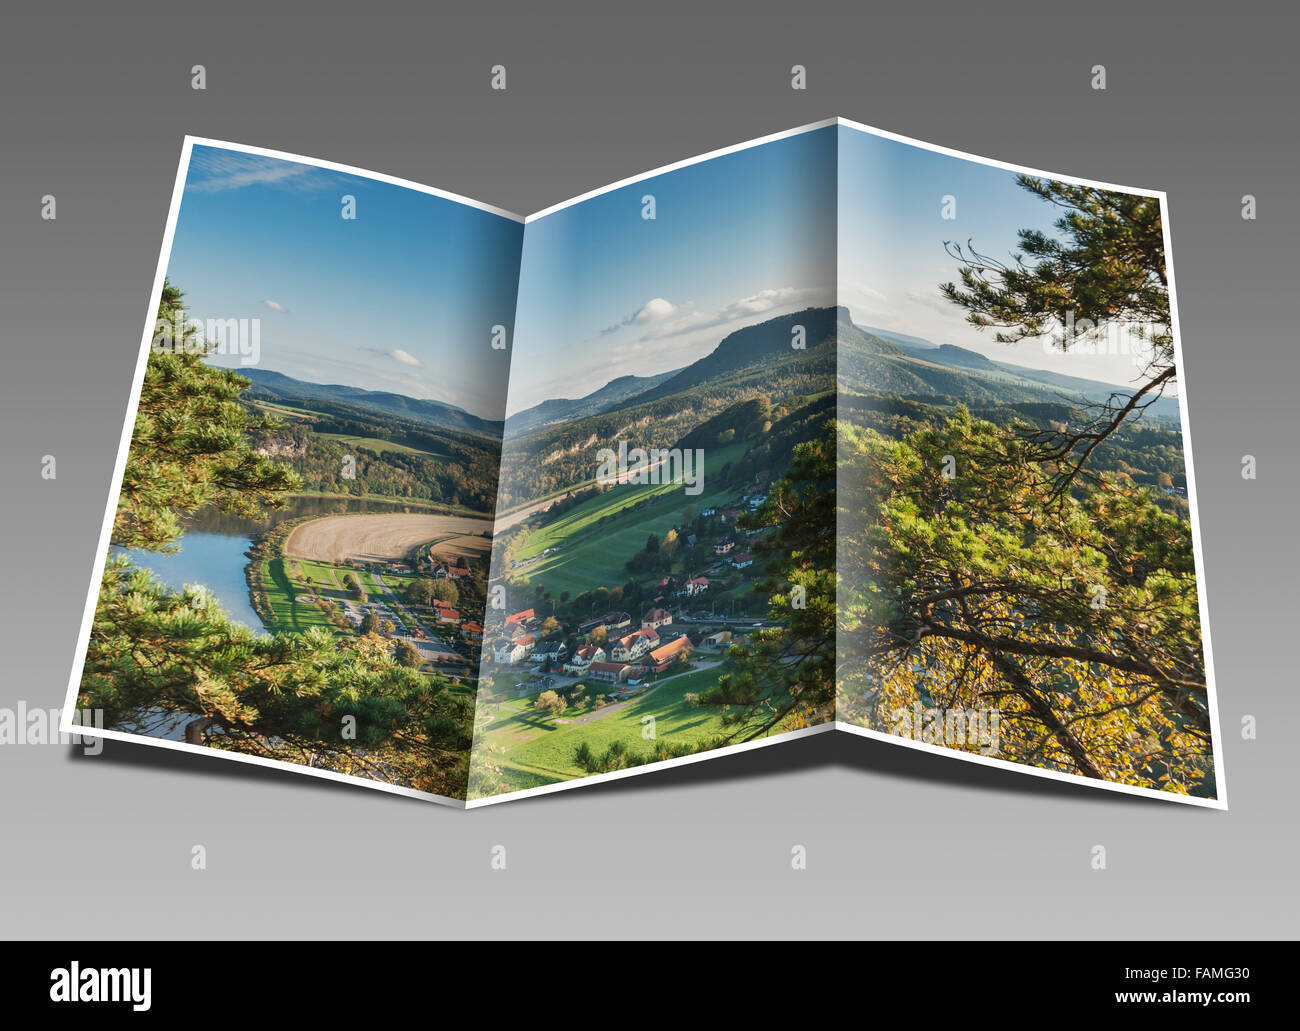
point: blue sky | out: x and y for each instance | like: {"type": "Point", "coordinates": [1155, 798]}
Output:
{"type": "Point", "coordinates": [402, 298]}
{"type": "Point", "coordinates": [891, 253]}
{"type": "Point", "coordinates": [736, 239]}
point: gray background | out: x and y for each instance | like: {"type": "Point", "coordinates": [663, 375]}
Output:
{"type": "Point", "coordinates": [93, 108]}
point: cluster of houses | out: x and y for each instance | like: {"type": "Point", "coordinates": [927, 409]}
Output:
{"type": "Point", "coordinates": [446, 616]}
{"type": "Point", "coordinates": [629, 659]}
{"type": "Point", "coordinates": [517, 641]}
{"type": "Point", "coordinates": [632, 650]}
{"type": "Point", "coordinates": [628, 655]}
{"type": "Point", "coordinates": [728, 550]}
{"type": "Point", "coordinates": [443, 612]}
{"type": "Point", "coordinates": [442, 570]}
{"type": "Point", "coordinates": [423, 630]}
{"type": "Point", "coordinates": [725, 550]}
{"type": "Point", "coordinates": [429, 564]}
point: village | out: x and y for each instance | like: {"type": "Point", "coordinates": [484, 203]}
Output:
{"type": "Point", "coordinates": [678, 619]}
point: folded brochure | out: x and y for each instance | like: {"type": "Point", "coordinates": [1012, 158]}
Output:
{"type": "Point", "coordinates": [834, 429]}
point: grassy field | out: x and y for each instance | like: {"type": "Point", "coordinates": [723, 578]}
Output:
{"type": "Point", "coordinates": [327, 580]}
{"type": "Point", "coordinates": [289, 614]}
{"type": "Point", "coordinates": [376, 445]}
{"type": "Point", "coordinates": [539, 750]}
{"type": "Point", "coordinates": [436, 507]}
{"type": "Point", "coordinates": [283, 410]}
{"type": "Point", "coordinates": [593, 553]}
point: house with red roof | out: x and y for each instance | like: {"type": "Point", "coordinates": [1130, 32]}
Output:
{"type": "Point", "coordinates": [632, 646]}
{"type": "Point", "coordinates": [582, 659]}
{"type": "Point", "coordinates": [665, 655]}
{"type": "Point", "coordinates": [511, 652]}
{"type": "Point", "coordinates": [656, 618]}
{"type": "Point", "coordinates": [694, 586]}
{"type": "Point", "coordinates": [608, 672]}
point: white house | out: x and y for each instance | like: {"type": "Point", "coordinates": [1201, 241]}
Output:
{"type": "Point", "coordinates": [634, 645]}
{"type": "Point", "coordinates": [583, 658]}
{"type": "Point", "coordinates": [695, 586]}
{"type": "Point", "coordinates": [511, 652]}
{"type": "Point", "coordinates": [656, 618]}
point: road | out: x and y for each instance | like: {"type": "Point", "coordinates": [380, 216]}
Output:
{"type": "Point", "coordinates": [429, 647]}
{"type": "Point", "coordinates": [506, 521]}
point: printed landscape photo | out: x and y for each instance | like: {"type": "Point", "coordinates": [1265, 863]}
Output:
{"type": "Point", "coordinates": [299, 550]}
{"type": "Point", "coordinates": [833, 430]}
{"type": "Point", "coordinates": [1017, 572]}
{"type": "Point", "coordinates": [645, 616]}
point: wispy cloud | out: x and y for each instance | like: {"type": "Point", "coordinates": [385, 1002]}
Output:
{"type": "Point", "coordinates": [275, 305]}
{"type": "Point", "coordinates": [672, 336]}
{"type": "Point", "coordinates": [397, 355]}
{"type": "Point", "coordinates": [213, 170]}
{"type": "Point", "coordinates": [762, 303]}
{"type": "Point", "coordinates": [867, 304]}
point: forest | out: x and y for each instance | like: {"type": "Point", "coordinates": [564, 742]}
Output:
{"type": "Point", "coordinates": [559, 458]}
{"type": "Point", "coordinates": [164, 662]}
{"type": "Point", "coordinates": [390, 456]}
{"type": "Point", "coordinates": [1025, 565]}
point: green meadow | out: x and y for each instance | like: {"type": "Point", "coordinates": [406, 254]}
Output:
{"type": "Point", "coordinates": [327, 580]}
{"type": "Point", "coordinates": [592, 553]}
{"type": "Point", "coordinates": [375, 445]}
{"type": "Point", "coordinates": [539, 749]}
{"type": "Point", "coordinates": [289, 615]}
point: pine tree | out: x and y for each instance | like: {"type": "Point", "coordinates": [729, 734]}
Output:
{"type": "Point", "coordinates": [161, 661]}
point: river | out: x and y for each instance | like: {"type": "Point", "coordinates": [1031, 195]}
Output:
{"type": "Point", "coordinates": [212, 549]}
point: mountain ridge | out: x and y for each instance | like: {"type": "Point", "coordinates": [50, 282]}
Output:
{"type": "Point", "coordinates": [771, 338]}
{"type": "Point", "coordinates": [966, 360]}
{"type": "Point", "coordinates": [563, 409]}
{"type": "Point", "coordinates": [279, 386]}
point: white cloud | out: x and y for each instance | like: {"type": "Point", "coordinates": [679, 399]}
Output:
{"type": "Point", "coordinates": [654, 310]}
{"type": "Point", "coordinates": [405, 357]}
{"type": "Point", "coordinates": [398, 355]}
{"type": "Point", "coordinates": [762, 303]}
{"type": "Point", "coordinates": [214, 170]}
{"type": "Point", "coordinates": [275, 305]}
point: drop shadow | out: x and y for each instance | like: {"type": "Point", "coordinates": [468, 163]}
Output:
{"type": "Point", "coordinates": [868, 758]}
{"type": "Point", "coordinates": [862, 757]}
{"type": "Point", "coordinates": [173, 763]}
